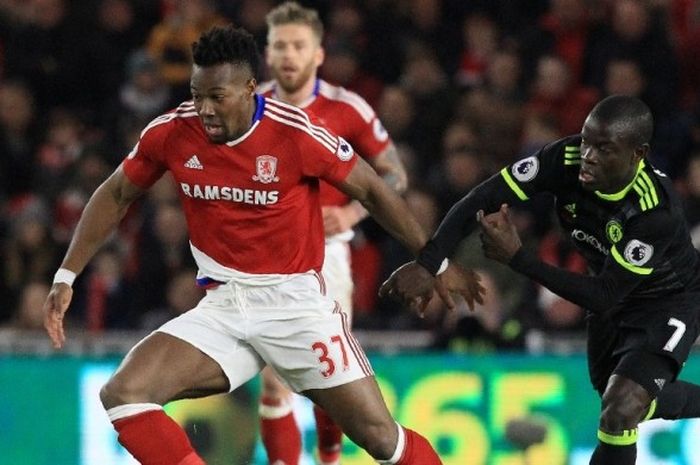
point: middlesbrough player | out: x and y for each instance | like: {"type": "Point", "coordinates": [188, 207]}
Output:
{"type": "Point", "coordinates": [248, 169]}
{"type": "Point", "coordinates": [294, 54]}
{"type": "Point", "coordinates": [643, 292]}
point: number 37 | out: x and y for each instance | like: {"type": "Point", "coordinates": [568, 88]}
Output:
{"type": "Point", "coordinates": [328, 364]}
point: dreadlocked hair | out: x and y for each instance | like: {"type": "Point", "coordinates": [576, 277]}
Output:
{"type": "Point", "coordinates": [227, 44]}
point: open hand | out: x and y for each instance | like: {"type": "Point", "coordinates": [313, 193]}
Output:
{"type": "Point", "coordinates": [499, 237]}
{"type": "Point", "coordinates": [458, 280]}
{"type": "Point", "coordinates": [55, 308]}
{"type": "Point", "coordinates": [411, 284]}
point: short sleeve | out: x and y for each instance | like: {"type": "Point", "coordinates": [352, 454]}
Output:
{"type": "Point", "coordinates": [547, 170]}
{"type": "Point", "coordinates": [143, 166]}
{"type": "Point", "coordinates": [324, 154]}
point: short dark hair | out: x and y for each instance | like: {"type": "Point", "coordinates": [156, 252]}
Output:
{"type": "Point", "coordinates": [629, 115]}
{"type": "Point", "coordinates": [226, 44]}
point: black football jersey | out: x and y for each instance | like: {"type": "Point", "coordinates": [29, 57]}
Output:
{"type": "Point", "coordinates": [636, 241]}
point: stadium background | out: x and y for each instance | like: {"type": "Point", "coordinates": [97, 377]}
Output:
{"type": "Point", "coordinates": [463, 86]}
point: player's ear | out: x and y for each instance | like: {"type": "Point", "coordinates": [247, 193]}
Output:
{"type": "Point", "coordinates": [641, 152]}
{"type": "Point", "coordinates": [251, 85]}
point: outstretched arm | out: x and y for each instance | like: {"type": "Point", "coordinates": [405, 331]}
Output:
{"type": "Point", "coordinates": [599, 293]}
{"type": "Point", "coordinates": [392, 213]}
{"type": "Point", "coordinates": [103, 212]}
{"type": "Point", "coordinates": [386, 206]}
{"type": "Point", "coordinates": [388, 165]}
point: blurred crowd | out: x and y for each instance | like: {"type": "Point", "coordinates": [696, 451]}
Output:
{"type": "Point", "coordinates": [463, 87]}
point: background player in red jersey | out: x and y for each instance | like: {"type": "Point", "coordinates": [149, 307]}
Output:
{"type": "Point", "coordinates": [294, 53]}
{"type": "Point", "coordinates": [248, 170]}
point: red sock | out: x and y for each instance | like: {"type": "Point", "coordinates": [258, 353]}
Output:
{"type": "Point", "coordinates": [418, 451]}
{"type": "Point", "coordinates": [279, 432]}
{"type": "Point", "coordinates": [329, 437]}
{"type": "Point", "coordinates": [154, 438]}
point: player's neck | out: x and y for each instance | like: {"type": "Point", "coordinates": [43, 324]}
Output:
{"type": "Point", "coordinates": [300, 96]}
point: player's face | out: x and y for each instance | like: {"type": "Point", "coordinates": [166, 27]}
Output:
{"type": "Point", "coordinates": [293, 55]}
{"type": "Point", "coordinates": [608, 161]}
{"type": "Point", "coordinates": [224, 99]}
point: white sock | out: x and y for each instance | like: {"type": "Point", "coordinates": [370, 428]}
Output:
{"type": "Point", "coordinates": [400, 446]}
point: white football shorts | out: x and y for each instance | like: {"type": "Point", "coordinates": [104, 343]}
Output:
{"type": "Point", "coordinates": [292, 326]}
{"type": "Point", "coordinates": [337, 273]}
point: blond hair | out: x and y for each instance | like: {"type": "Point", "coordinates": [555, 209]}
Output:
{"type": "Point", "coordinates": [294, 13]}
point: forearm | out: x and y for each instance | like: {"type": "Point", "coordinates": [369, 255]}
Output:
{"type": "Point", "coordinates": [392, 213]}
{"type": "Point", "coordinates": [99, 220]}
{"type": "Point", "coordinates": [595, 293]}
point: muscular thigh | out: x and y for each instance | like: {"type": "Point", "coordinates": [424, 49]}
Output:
{"type": "Point", "coordinates": [355, 406]}
{"type": "Point", "coordinates": [162, 368]}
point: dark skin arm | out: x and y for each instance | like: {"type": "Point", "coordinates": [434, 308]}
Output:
{"type": "Point", "coordinates": [391, 212]}
{"type": "Point", "coordinates": [102, 214]}
{"type": "Point", "coordinates": [387, 164]}
{"type": "Point", "coordinates": [599, 293]}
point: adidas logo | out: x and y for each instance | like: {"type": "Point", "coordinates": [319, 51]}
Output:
{"type": "Point", "coordinates": [660, 382]}
{"type": "Point", "coordinates": [194, 163]}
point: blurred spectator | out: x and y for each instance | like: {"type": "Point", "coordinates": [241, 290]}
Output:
{"type": "Point", "coordinates": [497, 122]}
{"type": "Point", "coordinates": [48, 51]}
{"type": "Point", "coordinates": [29, 314]}
{"type": "Point", "coordinates": [539, 129]}
{"type": "Point", "coordinates": [250, 14]}
{"type": "Point", "coordinates": [341, 67]}
{"type": "Point", "coordinates": [427, 84]}
{"type": "Point", "coordinates": [555, 92]}
{"type": "Point", "coordinates": [459, 171]}
{"type": "Point", "coordinates": [388, 313]}
{"type": "Point", "coordinates": [555, 313]}
{"type": "Point", "coordinates": [107, 299]}
{"type": "Point", "coordinates": [692, 197]}
{"type": "Point", "coordinates": [118, 30]}
{"type": "Point", "coordinates": [563, 32]}
{"type": "Point", "coordinates": [170, 40]}
{"type": "Point", "coordinates": [63, 144]}
{"type": "Point", "coordinates": [423, 21]}
{"type": "Point", "coordinates": [634, 33]}
{"type": "Point", "coordinates": [29, 253]}
{"type": "Point", "coordinates": [480, 41]}
{"type": "Point", "coordinates": [141, 97]}
{"type": "Point", "coordinates": [163, 252]}
{"type": "Point", "coordinates": [182, 294]}
{"type": "Point", "coordinates": [87, 174]}
{"type": "Point", "coordinates": [18, 135]}
{"type": "Point", "coordinates": [671, 132]}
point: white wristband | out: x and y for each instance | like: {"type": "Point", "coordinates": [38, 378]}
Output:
{"type": "Point", "coordinates": [64, 275]}
{"type": "Point", "coordinates": [443, 266]}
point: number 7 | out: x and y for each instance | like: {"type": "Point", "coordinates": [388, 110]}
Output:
{"type": "Point", "coordinates": [677, 334]}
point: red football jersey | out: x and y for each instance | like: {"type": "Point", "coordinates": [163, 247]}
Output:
{"type": "Point", "coordinates": [348, 115]}
{"type": "Point", "coordinates": [252, 204]}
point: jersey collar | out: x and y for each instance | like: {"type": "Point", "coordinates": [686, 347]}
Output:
{"type": "Point", "coordinates": [257, 116]}
{"type": "Point", "coordinates": [621, 194]}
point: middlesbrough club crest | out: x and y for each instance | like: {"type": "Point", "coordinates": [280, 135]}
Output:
{"type": "Point", "coordinates": [266, 167]}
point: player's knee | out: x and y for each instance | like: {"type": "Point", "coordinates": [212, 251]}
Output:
{"type": "Point", "coordinates": [620, 411]}
{"type": "Point", "coordinates": [378, 440]}
{"type": "Point", "coordinates": [120, 391]}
